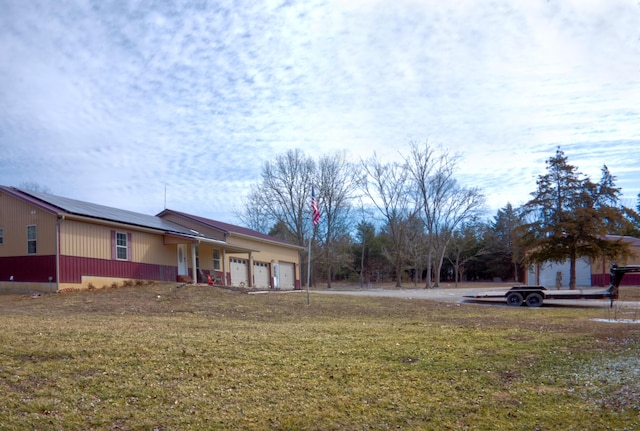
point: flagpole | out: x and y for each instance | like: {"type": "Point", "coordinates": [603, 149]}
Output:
{"type": "Point", "coordinates": [315, 219]}
{"type": "Point", "coordinates": [308, 269]}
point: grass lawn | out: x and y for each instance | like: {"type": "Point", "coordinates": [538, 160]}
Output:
{"type": "Point", "coordinates": [194, 358]}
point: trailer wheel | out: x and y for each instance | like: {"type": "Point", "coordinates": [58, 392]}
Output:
{"type": "Point", "coordinates": [514, 299]}
{"type": "Point", "coordinates": [534, 300]}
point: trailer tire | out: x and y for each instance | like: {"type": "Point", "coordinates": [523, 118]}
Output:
{"type": "Point", "coordinates": [514, 299]}
{"type": "Point", "coordinates": [534, 300]}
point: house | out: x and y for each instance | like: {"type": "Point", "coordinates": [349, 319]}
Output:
{"type": "Point", "coordinates": [270, 262]}
{"type": "Point", "coordinates": [51, 243]}
{"type": "Point", "coordinates": [589, 272]}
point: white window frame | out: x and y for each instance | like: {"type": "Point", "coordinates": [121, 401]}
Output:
{"type": "Point", "coordinates": [32, 239]}
{"type": "Point", "coordinates": [121, 247]}
{"type": "Point", "coordinates": [216, 259]}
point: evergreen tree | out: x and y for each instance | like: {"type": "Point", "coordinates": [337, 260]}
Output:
{"type": "Point", "coordinates": [573, 215]}
{"type": "Point", "coordinates": [501, 243]}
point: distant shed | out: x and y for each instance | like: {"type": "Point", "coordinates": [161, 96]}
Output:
{"type": "Point", "coordinates": [588, 272]}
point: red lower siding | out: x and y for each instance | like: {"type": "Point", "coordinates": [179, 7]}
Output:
{"type": "Point", "coordinates": [38, 269]}
{"type": "Point", "coordinates": [72, 269]}
{"type": "Point", "coordinates": [31, 269]}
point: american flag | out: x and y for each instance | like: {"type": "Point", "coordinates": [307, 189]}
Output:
{"type": "Point", "coordinates": [314, 208]}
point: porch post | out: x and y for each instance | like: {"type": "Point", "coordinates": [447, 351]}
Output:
{"type": "Point", "coordinates": [224, 267]}
{"type": "Point", "coordinates": [193, 262]}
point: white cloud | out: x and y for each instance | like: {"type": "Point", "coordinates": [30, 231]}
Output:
{"type": "Point", "coordinates": [108, 102]}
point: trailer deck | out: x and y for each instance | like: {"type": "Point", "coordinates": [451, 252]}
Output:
{"type": "Point", "coordinates": [533, 296]}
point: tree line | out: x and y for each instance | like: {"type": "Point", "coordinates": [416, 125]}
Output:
{"type": "Point", "coordinates": [411, 221]}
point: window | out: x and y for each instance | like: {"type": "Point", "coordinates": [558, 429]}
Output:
{"type": "Point", "coordinates": [32, 239]}
{"type": "Point", "coordinates": [121, 246]}
{"type": "Point", "coordinates": [216, 260]}
{"type": "Point", "coordinates": [1, 236]}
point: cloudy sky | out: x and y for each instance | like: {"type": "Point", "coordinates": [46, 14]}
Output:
{"type": "Point", "coordinates": [112, 101]}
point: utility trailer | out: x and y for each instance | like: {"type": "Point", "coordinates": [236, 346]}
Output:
{"type": "Point", "coordinates": [533, 296]}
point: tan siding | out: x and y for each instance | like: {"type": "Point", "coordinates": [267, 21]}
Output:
{"type": "Point", "coordinates": [268, 251]}
{"type": "Point", "coordinates": [84, 239]}
{"type": "Point", "coordinates": [15, 216]}
{"type": "Point", "coordinates": [205, 256]}
{"type": "Point", "coordinates": [94, 241]}
{"type": "Point", "coordinates": [602, 266]}
{"type": "Point", "coordinates": [150, 248]}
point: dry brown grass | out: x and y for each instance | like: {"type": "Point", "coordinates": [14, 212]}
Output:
{"type": "Point", "coordinates": [157, 357]}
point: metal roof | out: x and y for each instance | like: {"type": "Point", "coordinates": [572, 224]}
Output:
{"type": "Point", "coordinates": [101, 212]}
{"type": "Point", "coordinates": [230, 228]}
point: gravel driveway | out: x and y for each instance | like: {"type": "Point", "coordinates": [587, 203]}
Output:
{"type": "Point", "coordinates": [437, 294]}
{"type": "Point", "coordinates": [456, 295]}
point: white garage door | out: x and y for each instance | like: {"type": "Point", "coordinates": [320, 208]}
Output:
{"type": "Point", "coordinates": [261, 275]}
{"type": "Point", "coordinates": [287, 276]}
{"type": "Point", "coordinates": [238, 272]}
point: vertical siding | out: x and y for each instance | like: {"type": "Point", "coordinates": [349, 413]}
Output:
{"type": "Point", "coordinates": [15, 216]}
{"type": "Point", "coordinates": [205, 257]}
{"type": "Point", "coordinates": [86, 250]}
{"type": "Point", "coordinates": [94, 241]}
{"type": "Point", "coordinates": [269, 252]}
{"type": "Point", "coordinates": [150, 248]}
{"type": "Point", "coordinates": [600, 268]}
{"type": "Point", "coordinates": [32, 268]}
{"type": "Point", "coordinates": [84, 239]}
{"type": "Point", "coordinates": [73, 268]}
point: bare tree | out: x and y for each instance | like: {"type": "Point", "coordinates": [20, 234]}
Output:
{"type": "Point", "coordinates": [415, 247]}
{"type": "Point", "coordinates": [445, 204]}
{"type": "Point", "coordinates": [336, 187]}
{"type": "Point", "coordinates": [34, 186]}
{"type": "Point", "coordinates": [465, 246]}
{"type": "Point", "coordinates": [387, 186]}
{"type": "Point", "coordinates": [259, 218]}
{"type": "Point", "coordinates": [282, 198]}
{"type": "Point", "coordinates": [283, 195]}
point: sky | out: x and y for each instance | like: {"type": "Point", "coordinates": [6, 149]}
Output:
{"type": "Point", "coordinates": [138, 104]}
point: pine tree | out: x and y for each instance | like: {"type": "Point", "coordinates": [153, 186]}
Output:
{"type": "Point", "coordinates": [501, 243]}
{"type": "Point", "coordinates": [572, 216]}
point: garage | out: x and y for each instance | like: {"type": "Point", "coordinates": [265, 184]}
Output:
{"type": "Point", "coordinates": [239, 273]}
{"type": "Point", "coordinates": [261, 275]}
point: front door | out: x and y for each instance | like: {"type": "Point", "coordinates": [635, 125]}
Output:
{"type": "Point", "coordinates": [183, 267]}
